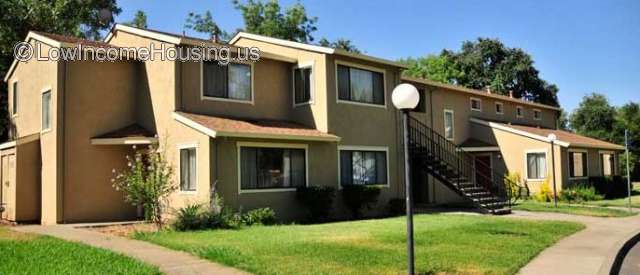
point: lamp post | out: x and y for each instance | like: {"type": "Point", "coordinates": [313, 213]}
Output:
{"type": "Point", "coordinates": [552, 138]}
{"type": "Point", "coordinates": [405, 97]}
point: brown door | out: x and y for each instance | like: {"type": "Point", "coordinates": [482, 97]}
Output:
{"type": "Point", "coordinates": [483, 170]}
{"type": "Point", "coordinates": [7, 163]}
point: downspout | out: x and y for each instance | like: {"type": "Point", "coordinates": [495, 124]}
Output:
{"type": "Point", "coordinates": [63, 99]}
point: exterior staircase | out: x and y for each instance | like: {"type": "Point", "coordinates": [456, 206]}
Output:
{"type": "Point", "coordinates": [456, 169]}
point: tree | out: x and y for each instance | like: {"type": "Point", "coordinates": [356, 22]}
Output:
{"type": "Point", "coordinates": [67, 17]}
{"type": "Point", "coordinates": [563, 121]}
{"type": "Point", "coordinates": [628, 118]}
{"type": "Point", "coordinates": [435, 67]}
{"type": "Point", "coordinates": [594, 117]}
{"type": "Point", "coordinates": [139, 20]}
{"type": "Point", "coordinates": [267, 18]}
{"type": "Point", "coordinates": [487, 63]}
{"type": "Point", "coordinates": [203, 23]}
{"type": "Point", "coordinates": [340, 43]}
{"type": "Point", "coordinates": [147, 182]}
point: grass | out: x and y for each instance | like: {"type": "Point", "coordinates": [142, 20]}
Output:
{"type": "Point", "coordinates": [622, 202]}
{"type": "Point", "coordinates": [572, 209]}
{"type": "Point", "coordinates": [22, 253]}
{"type": "Point", "coordinates": [445, 244]}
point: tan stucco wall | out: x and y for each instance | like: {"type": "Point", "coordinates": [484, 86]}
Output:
{"type": "Point", "coordinates": [34, 77]}
{"type": "Point", "coordinates": [28, 181]}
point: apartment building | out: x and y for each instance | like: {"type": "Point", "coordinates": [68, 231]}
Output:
{"type": "Point", "coordinates": [303, 115]}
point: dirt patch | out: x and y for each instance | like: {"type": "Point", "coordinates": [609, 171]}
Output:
{"type": "Point", "coordinates": [7, 234]}
{"type": "Point", "coordinates": [125, 230]}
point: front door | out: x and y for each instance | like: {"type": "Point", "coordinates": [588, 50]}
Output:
{"type": "Point", "coordinates": [483, 170]}
{"type": "Point", "coordinates": [8, 188]}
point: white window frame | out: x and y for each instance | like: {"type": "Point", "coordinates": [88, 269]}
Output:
{"type": "Point", "coordinates": [498, 103]}
{"type": "Point", "coordinates": [212, 98]}
{"type": "Point", "coordinates": [312, 89]}
{"type": "Point", "coordinates": [453, 124]}
{"type": "Point", "coordinates": [363, 67]}
{"type": "Point", "coordinates": [384, 149]}
{"type": "Point", "coordinates": [586, 170]}
{"type": "Point", "coordinates": [539, 114]}
{"type": "Point", "coordinates": [613, 158]}
{"type": "Point", "coordinates": [526, 163]}
{"type": "Point", "coordinates": [193, 145]}
{"type": "Point", "coordinates": [239, 146]}
{"type": "Point", "coordinates": [14, 97]}
{"type": "Point", "coordinates": [471, 100]}
{"type": "Point", "coordinates": [42, 92]}
{"type": "Point", "coordinates": [521, 115]}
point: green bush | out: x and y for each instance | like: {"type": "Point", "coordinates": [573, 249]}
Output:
{"type": "Point", "coordinates": [190, 217]}
{"type": "Point", "coordinates": [359, 197]}
{"type": "Point", "coordinates": [226, 219]}
{"type": "Point", "coordinates": [263, 216]}
{"type": "Point", "coordinates": [318, 200]}
{"type": "Point", "coordinates": [579, 194]}
{"type": "Point", "coordinates": [611, 187]}
{"type": "Point", "coordinates": [544, 194]}
{"type": "Point", "coordinates": [397, 207]}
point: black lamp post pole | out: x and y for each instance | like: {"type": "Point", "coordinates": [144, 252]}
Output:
{"type": "Point", "coordinates": [409, 204]}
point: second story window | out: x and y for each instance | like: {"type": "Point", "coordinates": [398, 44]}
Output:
{"type": "Point", "coordinates": [499, 108]}
{"type": "Point", "coordinates": [230, 82]}
{"type": "Point", "coordinates": [360, 85]}
{"type": "Point", "coordinates": [46, 110]}
{"type": "Point", "coordinates": [476, 104]}
{"type": "Point", "coordinates": [14, 99]}
{"type": "Point", "coordinates": [519, 112]}
{"type": "Point", "coordinates": [448, 124]}
{"type": "Point", "coordinates": [302, 85]}
{"type": "Point", "coordinates": [537, 114]}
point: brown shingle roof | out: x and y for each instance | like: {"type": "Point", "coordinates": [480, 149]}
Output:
{"type": "Point", "coordinates": [75, 40]}
{"type": "Point", "coordinates": [573, 139]}
{"type": "Point", "coordinates": [258, 128]}
{"type": "Point", "coordinates": [131, 131]}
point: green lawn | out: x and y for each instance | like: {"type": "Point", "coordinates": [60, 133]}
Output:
{"type": "Point", "coordinates": [451, 244]}
{"type": "Point", "coordinates": [22, 253]}
{"type": "Point", "coordinates": [572, 209]}
{"type": "Point", "coordinates": [623, 202]}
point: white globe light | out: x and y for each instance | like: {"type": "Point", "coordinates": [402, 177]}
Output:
{"type": "Point", "coordinates": [405, 96]}
{"type": "Point", "coordinates": [552, 137]}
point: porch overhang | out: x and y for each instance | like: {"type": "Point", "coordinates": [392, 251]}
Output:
{"type": "Point", "coordinates": [474, 145]}
{"type": "Point", "coordinates": [133, 134]}
{"type": "Point", "coordinates": [266, 129]}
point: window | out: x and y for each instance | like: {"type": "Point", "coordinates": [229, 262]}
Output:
{"type": "Point", "coordinates": [46, 110]}
{"type": "Point", "coordinates": [536, 166]}
{"type": "Point", "coordinates": [607, 163]}
{"type": "Point", "coordinates": [188, 169]}
{"type": "Point", "coordinates": [519, 112]}
{"type": "Point", "coordinates": [448, 124]}
{"type": "Point", "coordinates": [302, 85]}
{"type": "Point", "coordinates": [272, 168]}
{"type": "Point", "coordinates": [363, 167]}
{"type": "Point", "coordinates": [577, 164]}
{"type": "Point", "coordinates": [422, 106]}
{"type": "Point", "coordinates": [14, 99]}
{"type": "Point", "coordinates": [536, 114]}
{"type": "Point", "coordinates": [476, 104]}
{"type": "Point", "coordinates": [499, 108]}
{"type": "Point", "coordinates": [232, 82]}
{"type": "Point", "coordinates": [360, 85]}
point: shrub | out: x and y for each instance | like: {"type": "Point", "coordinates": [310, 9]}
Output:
{"type": "Point", "coordinates": [611, 187]}
{"type": "Point", "coordinates": [147, 182]}
{"type": "Point", "coordinates": [544, 194]}
{"type": "Point", "coordinates": [359, 197]}
{"type": "Point", "coordinates": [579, 193]}
{"type": "Point", "coordinates": [397, 207]}
{"type": "Point", "coordinates": [263, 216]}
{"type": "Point", "coordinates": [318, 200]}
{"type": "Point", "coordinates": [190, 217]}
{"type": "Point", "coordinates": [513, 181]}
{"type": "Point", "coordinates": [226, 219]}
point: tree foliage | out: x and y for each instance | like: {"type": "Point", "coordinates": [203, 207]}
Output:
{"type": "Point", "coordinates": [340, 43]}
{"type": "Point", "coordinates": [487, 63]}
{"type": "Point", "coordinates": [139, 20]}
{"type": "Point", "coordinates": [67, 17]}
{"type": "Point", "coordinates": [203, 23]}
{"type": "Point", "coordinates": [267, 18]}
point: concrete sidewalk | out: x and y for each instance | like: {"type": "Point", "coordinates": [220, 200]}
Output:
{"type": "Point", "coordinates": [589, 252]}
{"type": "Point", "coordinates": [168, 261]}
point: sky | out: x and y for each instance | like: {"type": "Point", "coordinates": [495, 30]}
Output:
{"type": "Point", "coordinates": [581, 46]}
